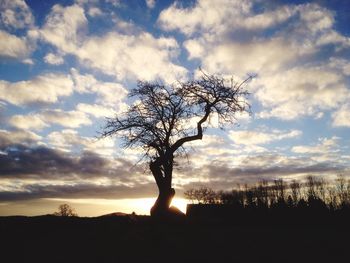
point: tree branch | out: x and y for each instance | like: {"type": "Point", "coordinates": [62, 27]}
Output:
{"type": "Point", "coordinates": [199, 134]}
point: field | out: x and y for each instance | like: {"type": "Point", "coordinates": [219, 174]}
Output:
{"type": "Point", "coordinates": [141, 239]}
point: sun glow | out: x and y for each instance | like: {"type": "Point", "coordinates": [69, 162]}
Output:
{"type": "Point", "coordinates": [97, 207]}
{"type": "Point", "coordinates": [143, 205]}
{"type": "Point", "coordinates": [180, 203]}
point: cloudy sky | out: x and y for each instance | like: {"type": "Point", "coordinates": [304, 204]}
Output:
{"type": "Point", "coordinates": [66, 65]}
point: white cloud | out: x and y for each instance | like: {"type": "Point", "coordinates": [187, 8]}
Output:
{"type": "Point", "coordinates": [18, 137]}
{"type": "Point", "coordinates": [261, 56]}
{"type": "Point", "coordinates": [150, 3]}
{"type": "Point", "coordinates": [15, 14]}
{"type": "Point", "coordinates": [40, 120]}
{"type": "Point", "coordinates": [62, 27]}
{"type": "Point", "coordinates": [209, 141]}
{"type": "Point", "coordinates": [86, 2]}
{"type": "Point", "coordinates": [96, 110]}
{"type": "Point", "coordinates": [83, 83]}
{"type": "Point", "coordinates": [227, 16]}
{"type": "Point", "coordinates": [340, 64]}
{"type": "Point", "coordinates": [50, 87]}
{"type": "Point", "coordinates": [27, 122]}
{"type": "Point", "coordinates": [224, 16]}
{"type": "Point", "coordinates": [125, 55]}
{"type": "Point", "coordinates": [315, 18]}
{"type": "Point", "coordinates": [114, 2]}
{"type": "Point", "coordinates": [12, 46]}
{"type": "Point", "coordinates": [95, 11]}
{"type": "Point", "coordinates": [301, 91]}
{"type": "Point", "coordinates": [70, 119]}
{"type": "Point", "coordinates": [42, 89]}
{"type": "Point", "coordinates": [216, 13]}
{"type": "Point", "coordinates": [256, 137]}
{"type": "Point", "coordinates": [195, 48]}
{"type": "Point", "coordinates": [53, 59]}
{"type": "Point", "coordinates": [140, 56]}
{"type": "Point", "coordinates": [28, 61]}
{"type": "Point", "coordinates": [333, 37]}
{"type": "Point", "coordinates": [341, 117]}
{"type": "Point", "coordinates": [325, 146]}
{"type": "Point", "coordinates": [111, 94]}
{"type": "Point", "coordinates": [108, 93]}
{"type": "Point", "coordinates": [274, 43]}
{"type": "Point", "coordinates": [66, 139]}
{"type": "Point", "coordinates": [267, 19]}
{"type": "Point", "coordinates": [70, 140]}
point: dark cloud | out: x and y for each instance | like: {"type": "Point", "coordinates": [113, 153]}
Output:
{"type": "Point", "coordinates": [78, 175]}
{"type": "Point", "coordinates": [40, 163]}
{"type": "Point", "coordinates": [13, 137]}
{"type": "Point", "coordinates": [36, 191]}
{"type": "Point", "coordinates": [221, 175]}
{"type": "Point", "coordinates": [21, 161]}
{"type": "Point", "coordinates": [271, 172]}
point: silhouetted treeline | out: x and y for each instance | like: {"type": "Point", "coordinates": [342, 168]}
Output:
{"type": "Point", "coordinates": [313, 192]}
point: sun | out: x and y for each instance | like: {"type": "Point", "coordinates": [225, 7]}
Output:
{"type": "Point", "coordinates": [180, 203]}
{"type": "Point", "coordinates": [143, 205]}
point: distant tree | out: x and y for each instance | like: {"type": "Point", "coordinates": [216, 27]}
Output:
{"type": "Point", "coordinates": [209, 196]}
{"type": "Point", "coordinates": [262, 193]}
{"type": "Point", "coordinates": [332, 198]}
{"type": "Point", "coordinates": [302, 204]}
{"type": "Point", "coordinates": [157, 120]}
{"type": "Point", "coordinates": [315, 196]}
{"type": "Point", "coordinates": [202, 195]}
{"type": "Point", "coordinates": [311, 190]}
{"type": "Point", "coordinates": [65, 210]}
{"type": "Point", "coordinates": [235, 197]}
{"type": "Point", "coordinates": [296, 193]}
{"type": "Point", "coordinates": [316, 193]}
{"type": "Point", "coordinates": [343, 190]}
{"type": "Point", "coordinates": [190, 195]}
{"type": "Point", "coordinates": [280, 188]}
{"type": "Point", "coordinates": [290, 202]}
{"type": "Point", "coordinates": [249, 197]}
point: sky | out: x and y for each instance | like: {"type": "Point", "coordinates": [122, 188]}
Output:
{"type": "Point", "coordinates": [67, 65]}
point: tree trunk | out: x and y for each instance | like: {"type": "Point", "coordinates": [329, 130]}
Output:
{"type": "Point", "coordinates": [162, 171]}
{"type": "Point", "coordinates": [161, 207]}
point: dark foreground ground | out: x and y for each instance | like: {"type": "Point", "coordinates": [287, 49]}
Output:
{"type": "Point", "coordinates": [139, 239]}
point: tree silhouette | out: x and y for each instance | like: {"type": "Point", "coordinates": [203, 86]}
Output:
{"type": "Point", "coordinates": [65, 210]}
{"type": "Point", "coordinates": [157, 122]}
{"type": "Point", "coordinates": [313, 196]}
{"type": "Point", "coordinates": [203, 195]}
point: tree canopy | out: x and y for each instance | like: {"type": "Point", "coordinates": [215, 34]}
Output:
{"type": "Point", "coordinates": [158, 121]}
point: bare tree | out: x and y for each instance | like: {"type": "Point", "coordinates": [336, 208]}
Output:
{"type": "Point", "coordinates": [280, 188]}
{"type": "Point", "coordinates": [207, 195]}
{"type": "Point", "coordinates": [65, 210]}
{"type": "Point", "coordinates": [156, 122]}
{"type": "Point", "coordinates": [343, 190]}
{"type": "Point", "coordinates": [190, 194]}
{"type": "Point", "coordinates": [295, 189]}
